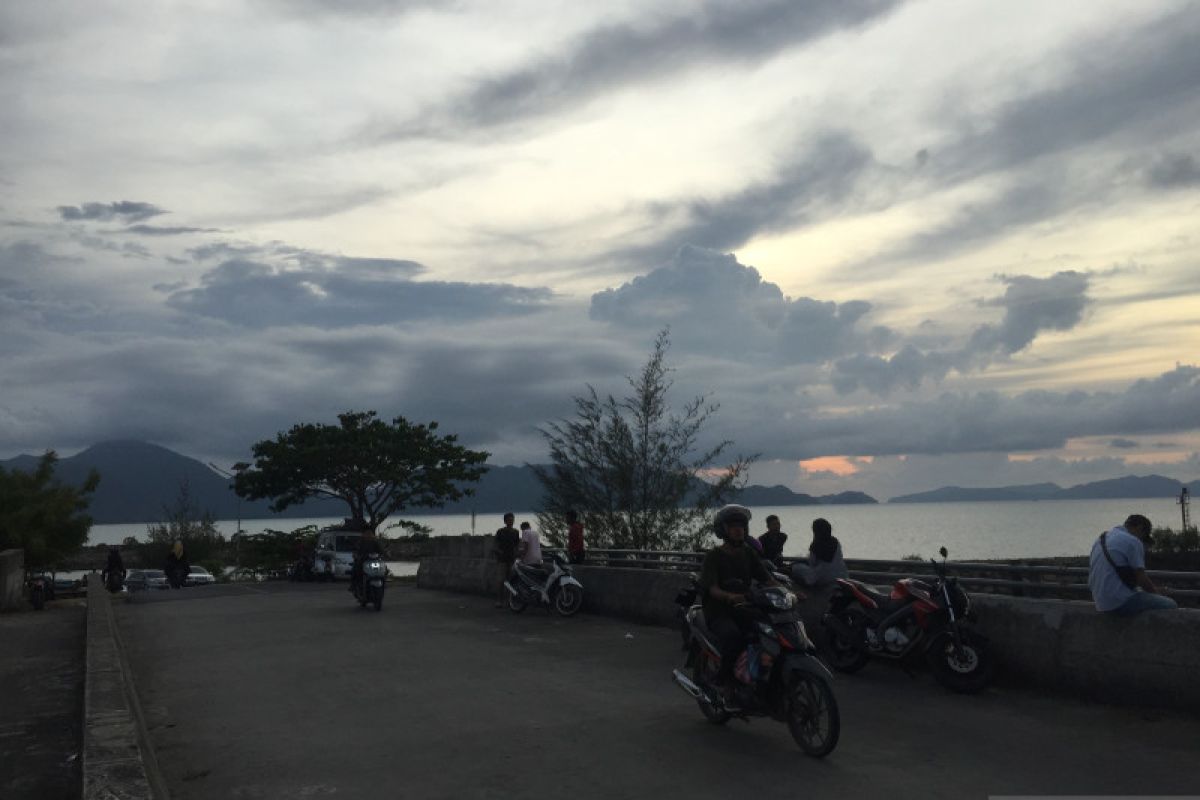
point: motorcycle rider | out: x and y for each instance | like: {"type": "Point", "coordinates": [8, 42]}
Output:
{"type": "Point", "coordinates": [725, 576]}
{"type": "Point", "coordinates": [368, 545]}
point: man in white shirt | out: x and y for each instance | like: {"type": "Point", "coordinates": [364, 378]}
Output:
{"type": "Point", "coordinates": [1126, 550]}
{"type": "Point", "coordinates": [530, 547]}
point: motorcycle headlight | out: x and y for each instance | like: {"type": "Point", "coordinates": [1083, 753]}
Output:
{"type": "Point", "coordinates": [782, 600]}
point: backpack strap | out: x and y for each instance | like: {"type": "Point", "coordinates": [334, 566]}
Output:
{"type": "Point", "coordinates": [1125, 573]}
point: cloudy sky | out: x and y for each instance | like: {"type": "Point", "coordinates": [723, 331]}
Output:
{"type": "Point", "coordinates": [903, 244]}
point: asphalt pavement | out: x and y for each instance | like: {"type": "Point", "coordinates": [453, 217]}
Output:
{"type": "Point", "coordinates": [290, 690]}
{"type": "Point", "coordinates": [41, 701]}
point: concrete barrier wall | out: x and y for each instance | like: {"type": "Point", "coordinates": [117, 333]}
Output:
{"type": "Point", "coordinates": [118, 761]}
{"type": "Point", "coordinates": [12, 579]}
{"type": "Point", "coordinates": [1151, 659]}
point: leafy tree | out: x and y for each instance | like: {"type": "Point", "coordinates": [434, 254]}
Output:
{"type": "Point", "coordinates": [632, 469]}
{"type": "Point", "coordinates": [375, 468]}
{"type": "Point", "coordinates": [43, 516]}
{"type": "Point", "coordinates": [183, 521]}
{"type": "Point", "coordinates": [272, 550]}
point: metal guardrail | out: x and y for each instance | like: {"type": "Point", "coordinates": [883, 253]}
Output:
{"type": "Point", "coordinates": [1021, 580]}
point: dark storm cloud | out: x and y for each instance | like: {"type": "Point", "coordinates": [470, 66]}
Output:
{"type": "Point", "coordinates": [1130, 81]}
{"type": "Point", "coordinates": [123, 210]}
{"type": "Point", "coordinates": [1059, 146]}
{"type": "Point", "coordinates": [163, 230]}
{"type": "Point", "coordinates": [257, 295]}
{"type": "Point", "coordinates": [1174, 171]}
{"type": "Point", "coordinates": [1031, 305]}
{"type": "Point", "coordinates": [812, 184]}
{"type": "Point", "coordinates": [607, 58]}
{"type": "Point", "coordinates": [992, 422]}
{"type": "Point", "coordinates": [714, 304]}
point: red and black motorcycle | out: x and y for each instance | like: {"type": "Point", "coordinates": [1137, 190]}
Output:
{"type": "Point", "coordinates": [917, 617]}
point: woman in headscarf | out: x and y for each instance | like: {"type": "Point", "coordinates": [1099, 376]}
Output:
{"type": "Point", "coordinates": [825, 564]}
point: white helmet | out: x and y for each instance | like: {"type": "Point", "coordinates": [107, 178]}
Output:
{"type": "Point", "coordinates": [730, 513]}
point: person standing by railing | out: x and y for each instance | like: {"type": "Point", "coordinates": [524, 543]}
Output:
{"type": "Point", "coordinates": [505, 551]}
{"type": "Point", "coordinates": [575, 550]}
{"type": "Point", "coordinates": [529, 550]}
{"type": "Point", "coordinates": [1117, 571]}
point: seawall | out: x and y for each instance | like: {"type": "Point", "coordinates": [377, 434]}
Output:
{"type": "Point", "coordinates": [1065, 646]}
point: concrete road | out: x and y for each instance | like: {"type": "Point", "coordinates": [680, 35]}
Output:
{"type": "Point", "coordinates": [291, 690]}
{"type": "Point", "coordinates": [41, 701]}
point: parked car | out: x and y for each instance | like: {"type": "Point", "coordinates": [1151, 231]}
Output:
{"type": "Point", "coordinates": [141, 579]}
{"type": "Point", "coordinates": [199, 576]}
{"type": "Point", "coordinates": [333, 558]}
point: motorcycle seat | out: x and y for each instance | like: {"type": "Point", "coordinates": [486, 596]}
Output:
{"type": "Point", "coordinates": [882, 599]}
{"type": "Point", "coordinates": [535, 571]}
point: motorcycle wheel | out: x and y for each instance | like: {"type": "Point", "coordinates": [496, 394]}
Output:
{"type": "Point", "coordinates": [813, 717]}
{"type": "Point", "coordinates": [967, 669]}
{"type": "Point", "coordinates": [377, 599]}
{"type": "Point", "coordinates": [846, 656]}
{"type": "Point", "coordinates": [37, 596]}
{"type": "Point", "coordinates": [515, 603]}
{"type": "Point", "coordinates": [703, 678]}
{"type": "Point", "coordinates": [568, 600]}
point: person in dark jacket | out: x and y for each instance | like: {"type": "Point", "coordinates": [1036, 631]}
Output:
{"type": "Point", "coordinates": [368, 545]}
{"type": "Point", "coordinates": [113, 575]}
{"type": "Point", "coordinates": [504, 549]}
{"type": "Point", "coordinates": [773, 540]}
{"type": "Point", "coordinates": [725, 577]}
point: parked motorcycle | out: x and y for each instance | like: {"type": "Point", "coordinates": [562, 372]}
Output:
{"type": "Point", "coordinates": [554, 586]}
{"type": "Point", "coordinates": [368, 587]}
{"type": "Point", "coordinates": [302, 569]}
{"type": "Point", "coordinates": [778, 675]}
{"type": "Point", "coordinates": [917, 617]}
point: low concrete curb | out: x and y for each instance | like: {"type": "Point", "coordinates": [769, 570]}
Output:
{"type": "Point", "coordinates": [118, 762]}
{"type": "Point", "coordinates": [1061, 645]}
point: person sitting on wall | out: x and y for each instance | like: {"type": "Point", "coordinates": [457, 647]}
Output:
{"type": "Point", "coordinates": [773, 540]}
{"type": "Point", "coordinates": [825, 564]}
{"type": "Point", "coordinates": [1117, 571]}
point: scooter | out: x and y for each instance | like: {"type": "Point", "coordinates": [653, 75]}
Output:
{"type": "Point", "coordinates": [368, 587]}
{"type": "Point", "coordinates": [555, 587]}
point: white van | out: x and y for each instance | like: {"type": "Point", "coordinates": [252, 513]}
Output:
{"type": "Point", "coordinates": [334, 555]}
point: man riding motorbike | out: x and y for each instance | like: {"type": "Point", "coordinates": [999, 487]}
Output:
{"type": "Point", "coordinates": [368, 545]}
{"type": "Point", "coordinates": [725, 577]}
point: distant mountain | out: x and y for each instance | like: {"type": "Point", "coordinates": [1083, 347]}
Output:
{"type": "Point", "coordinates": [138, 481]}
{"type": "Point", "coordinates": [953, 494]}
{"type": "Point", "coordinates": [847, 499]}
{"type": "Point", "coordinates": [1131, 486]}
{"type": "Point", "coordinates": [780, 495]}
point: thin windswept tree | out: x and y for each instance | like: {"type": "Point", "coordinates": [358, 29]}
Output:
{"type": "Point", "coordinates": [634, 468]}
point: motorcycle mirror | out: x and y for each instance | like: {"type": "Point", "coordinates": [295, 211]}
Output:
{"type": "Point", "coordinates": [943, 551]}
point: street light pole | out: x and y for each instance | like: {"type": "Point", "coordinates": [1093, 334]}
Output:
{"type": "Point", "coordinates": [237, 468]}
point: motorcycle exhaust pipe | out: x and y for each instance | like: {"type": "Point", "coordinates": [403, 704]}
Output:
{"type": "Point", "coordinates": [687, 685]}
{"type": "Point", "coordinates": [510, 588]}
